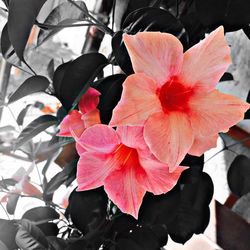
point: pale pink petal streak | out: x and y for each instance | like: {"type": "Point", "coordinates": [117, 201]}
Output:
{"type": "Point", "coordinates": [215, 112]}
{"type": "Point", "coordinates": [89, 100]}
{"type": "Point", "coordinates": [206, 62]}
{"type": "Point", "coordinates": [159, 55]}
{"type": "Point", "coordinates": [93, 168]}
{"type": "Point", "coordinates": [139, 100]}
{"type": "Point", "coordinates": [91, 118]}
{"type": "Point", "coordinates": [169, 137]}
{"type": "Point", "coordinates": [100, 138]}
{"type": "Point", "coordinates": [202, 144]}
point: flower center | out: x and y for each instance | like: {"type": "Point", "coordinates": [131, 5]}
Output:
{"type": "Point", "coordinates": [174, 96]}
{"type": "Point", "coordinates": [126, 155]}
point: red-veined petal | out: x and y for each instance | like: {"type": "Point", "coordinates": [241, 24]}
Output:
{"type": "Point", "coordinates": [89, 100]}
{"type": "Point", "coordinates": [99, 138]}
{"type": "Point", "coordinates": [139, 100]}
{"type": "Point", "coordinates": [206, 62]}
{"type": "Point", "coordinates": [169, 137]}
{"type": "Point", "coordinates": [158, 179]}
{"type": "Point", "coordinates": [132, 136]}
{"type": "Point", "coordinates": [158, 55]}
{"type": "Point", "coordinates": [202, 144]}
{"type": "Point", "coordinates": [215, 112]}
{"type": "Point", "coordinates": [124, 190]}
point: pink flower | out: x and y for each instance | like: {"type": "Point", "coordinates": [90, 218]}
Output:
{"type": "Point", "coordinates": [121, 161]}
{"type": "Point", "coordinates": [173, 94]}
{"type": "Point", "coordinates": [76, 121]}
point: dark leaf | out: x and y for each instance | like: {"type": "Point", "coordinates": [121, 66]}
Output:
{"type": "Point", "coordinates": [58, 77]}
{"type": "Point", "coordinates": [22, 114]}
{"type": "Point", "coordinates": [227, 77]}
{"type": "Point", "coordinates": [233, 15]}
{"type": "Point", "coordinates": [65, 13]}
{"type": "Point", "coordinates": [51, 68]}
{"type": "Point", "coordinates": [87, 209]}
{"type": "Point", "coordinates": [31, 85]}
{"type": "Point", "coordinates": [57, 243]}
{"type": "Point", "coordinates": [60, 178]}
{"type": "Point", "coordinates": [41, 213]}
{"type": "Point", "coordinates": [4, 183]}
{"type": "Point", "coordinates": [184, 210]}
{"type": "Point", "coordinates": [7, 49]}
{"type": "Point", "coordinates": [8, 230]}
{"type": "Point", "coordinates": [49, 228]}
{"type": "Point", "coordinates": [193, 162]}
{"type": "Point", "coordinates": [30, 237]}
{"type": "Point", "coordinates": [121, 53]}
{"type": "Point", "coordinates": [22, 16]}
{"type": "Point", "coordinates": [34, 128]}
{"type": "Point", "coordinates": [238, 175]}
{"type": "Point", "coordinates": [78, 76]}
{"type": "Point", "coordinates": [12, 202]}
{"type": "Point", "coordinates": [111, 89]}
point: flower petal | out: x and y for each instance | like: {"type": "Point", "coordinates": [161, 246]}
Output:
{"type": "Point", "coordinates": [169, 137]}
{"type": "Point", "coordinates": [206, 62]}
{"type": "Point", "coordinates": [100, 138]}
{"type": "Point", "coordinates": [89, 100]}
{"type": "Point", "coordinates": [72, 122]}
{"type": "Point", "coordinates": [215, 112]}
{"type": "Point", "coordinates": [124, 190]}
{"type": "Point", "coordinates": [80, 150]}
{"type": "Point", "coordinates": [158, 179]}
{"type": "Point", "coordinates": [158, 55]}
{"type": "Point", "coordinates": [202, 144]}
{"type": "Point", "coordinates": [132, 136]}
{"type": "Point", "coordinates": [139, 100]}
{"type": "Point", "coordinates": [91, 118]}
{"type": "Point", "coordinates": [92, 169]}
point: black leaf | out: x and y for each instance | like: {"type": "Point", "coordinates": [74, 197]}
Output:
{"type": "Point", "coordinates": [8, 230]}
{"type": "Point", "coordinates": [12, 202]}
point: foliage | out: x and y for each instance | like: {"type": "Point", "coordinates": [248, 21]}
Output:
{"type": "Point", "coordinates": [91, 220]}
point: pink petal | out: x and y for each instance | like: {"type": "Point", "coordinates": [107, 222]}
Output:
{"type": "Point", "coordinates": [89, 100]}
{"type": "Point", "coordinates": [124, 190]}
{"type": "Point", "coordinates": [202, 144]}
{"type": "Point", "coordinates": [93, 168]}
{"type": "Point", "coordinates": [158, 179]}
{"type": "Point", "coordinates": [139, 100]}
{"type": "Point", "coordinates": [215, 112]}
{"type": "Point", "coordinates": [72, 122]}
{"type": "Point", "coordinates": [158, 55]}
{"type": "Point", "coordinates": [29, 189]}
{"type": "Point", "coordinates": [100, 138]}
{"type": "Point", "coordinates": [80, 150]}
{"type": "Point", "coordinates": [169, 137]}
{"type": "Point", "coordinates": [132, 136]}
{"type": "Point", "coordinates": [91, 118]}
{"type": "Point", "coordinates": [205, 63]}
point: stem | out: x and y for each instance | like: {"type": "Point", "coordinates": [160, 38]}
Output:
{"type": "Point", "coordinates": [101, 26]}
{"type": "Point", "coordinates": [50, 26]}
{"type": "Point", "coordinates": [5, 210]}
{"type": "Point", "coordinates": [215, 155]}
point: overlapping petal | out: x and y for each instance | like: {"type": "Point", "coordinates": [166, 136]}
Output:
{"type": "Point", "coordinates": [215, 112]}
{"type": "Point", "coordinates": [206, 62]}
{"type": "Point", "coordinates": [99, 138]}
{"type": "Point", "coordinates": [169, 137]}
{"type": "Point", "coordinates": [89, 100]}
{"type": "Point", "coordinates": [139, 100]}
{"type": "Point", "coordinates": [72, 122]}
{"type": "Point", "coordinates": [158, 55]}
{"type": "Point", "coordinates": [91, 118]}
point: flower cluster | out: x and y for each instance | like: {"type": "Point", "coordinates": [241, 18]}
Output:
{"type": "Point", "coordinates": [169, 107]}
